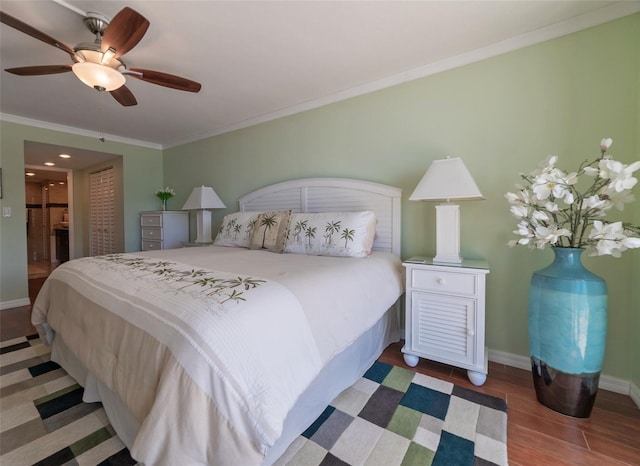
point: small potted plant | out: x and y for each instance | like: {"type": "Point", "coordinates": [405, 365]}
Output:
{"type": "Point", "coordinates": [164, 195]}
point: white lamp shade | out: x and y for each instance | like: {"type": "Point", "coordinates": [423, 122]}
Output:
{"type": "Point", "coordinates": [203, 197]}
{"type": "Point", "coordinates": [446, 179]}
{"type": "Point", "coordinates": [98, 76]}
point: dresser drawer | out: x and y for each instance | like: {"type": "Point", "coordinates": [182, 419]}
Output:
{"type": "Point", "coordinates": [151, 220]}
{"type": "Point", "coordinates": [445, 282]}
{"type": "Point", "coordinates": [149, 245]}
{"type": "Point", "coordinates": [163, 229]}
{"type": "Point", "coordinates": [152, 233]}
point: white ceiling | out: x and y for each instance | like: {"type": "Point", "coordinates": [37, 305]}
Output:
{"type": "Point", "coordinates": [260, 60]}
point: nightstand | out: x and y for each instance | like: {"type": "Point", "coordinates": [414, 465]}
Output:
{"type": "Point", "coordinates": [445, 314]}
{"type": "Point", "coordinates": [163, 229]}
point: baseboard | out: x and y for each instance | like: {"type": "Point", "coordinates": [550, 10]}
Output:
{"type": "Point", "coordinates": [634, 393]}
{"type": "Point", "coordinates": [14, 303]}
{"type": "Point", "coordinates": [510, 359]}
{"type": "Point", "coordinates": [607, 382]}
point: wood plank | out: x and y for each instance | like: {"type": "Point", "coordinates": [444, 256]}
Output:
{"type": "Point", "coordinates": [627, 452]}
{"type": "Point", "coordinates": [537, 442]}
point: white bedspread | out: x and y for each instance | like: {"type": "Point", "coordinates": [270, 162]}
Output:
{"type": "Point", "coordinates": [210, 348]}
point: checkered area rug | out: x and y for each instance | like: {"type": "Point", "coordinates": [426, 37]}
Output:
{"type": "Point", "coordinates": [394, 416]}
{"type": "Point", "coordinates": [391, 416]}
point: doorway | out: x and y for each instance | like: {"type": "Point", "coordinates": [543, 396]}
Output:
{"type": "Point", "coordinates": [58, 229]}
{"type": "Point", "coordinates": [48, 207]}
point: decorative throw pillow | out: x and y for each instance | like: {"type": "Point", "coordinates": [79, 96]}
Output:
{"type": "Point", "coordinates": [237, 229]}
{"type": "Point", "coordinates": [270, 231]}
{"type": "Point", "coordinates": [342, 234]}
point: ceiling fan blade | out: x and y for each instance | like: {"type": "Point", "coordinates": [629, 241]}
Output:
{"type": "Point", "coordinates": [124, 96]}
{"type": "Point", "coordinates": [125, 30]}
{"type": "Point", "coordinates": [33, 32]}
{"type": "Point", "coordinates": [165, 79]}
{"type": "Point", "coordinates": [39, 70]}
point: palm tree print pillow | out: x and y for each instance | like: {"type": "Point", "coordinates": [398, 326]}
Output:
{"type": "Point", "coordinates": [270, 231]}
{"type": "Point", "coordinates": [341, 234]}
{"type": "Point", "coordinates": [237, 229]}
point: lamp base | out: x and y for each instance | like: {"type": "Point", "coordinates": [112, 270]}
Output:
{"type": "Point", "coordinates": [204, 227]}
{"type": "Point", "coordinates": [448, 234]}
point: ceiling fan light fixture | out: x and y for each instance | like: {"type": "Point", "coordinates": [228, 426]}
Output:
{"type": "Point", "coordinates": [98, 76]}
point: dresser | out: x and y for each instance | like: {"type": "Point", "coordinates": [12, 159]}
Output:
{"type": "Point", "coordinates": [163, 229]}
{"type": "Point", "coordinates": [445, 315]}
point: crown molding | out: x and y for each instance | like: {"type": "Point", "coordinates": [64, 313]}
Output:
{"type": "Point", "coordinates": [590, 19]}
{"type": "Point", "coordinates": [593, 18]}
{"type": "Point", "coordinates": [77, 131]}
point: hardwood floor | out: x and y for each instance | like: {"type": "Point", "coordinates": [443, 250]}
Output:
{"type": "Point", "coordinates": [536, 435]}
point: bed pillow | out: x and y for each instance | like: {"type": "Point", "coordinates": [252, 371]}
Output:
{"type": "Point", "coordinates": [237, 229]}
{"type": "Point", "coordinates": [342, 234]}
{"type": "Point", "coordinates": [270, 231]}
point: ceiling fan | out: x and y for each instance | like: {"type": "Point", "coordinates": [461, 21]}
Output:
{"type": "Point", "coordinates": [98, 64]}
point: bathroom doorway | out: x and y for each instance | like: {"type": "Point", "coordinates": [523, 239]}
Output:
{"type": "Point", "coordinates": [48, 194]}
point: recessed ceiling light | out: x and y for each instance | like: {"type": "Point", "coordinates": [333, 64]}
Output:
{"type": "Point", "coordinates": [64, 156]}
{"type": "Point", "coordinates": [52, 184]}
{"type": "Point", "coordinates": [49, 164]}
{"type": "Point", "coordinates": [30, 174]}
{"type": "Point", "coordinates": [60, 182]}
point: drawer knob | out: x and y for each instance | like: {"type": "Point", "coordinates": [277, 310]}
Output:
{"type": "Point", "coordinates": [470, 332]}
{"type": "Point", "coordinates": [441, 281]}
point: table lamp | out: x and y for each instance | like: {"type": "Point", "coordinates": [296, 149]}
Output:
{"type": "Point", "coordinates": [201, 199]}
{"type": "Point", "coordinates": [445, 180]}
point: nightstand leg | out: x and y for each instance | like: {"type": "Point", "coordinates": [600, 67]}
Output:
{"type": "Point", "coordinates": [476, 378]}
{"type": "Point", "coordinates": [411, 360]}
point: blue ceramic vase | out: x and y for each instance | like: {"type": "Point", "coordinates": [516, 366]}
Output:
{"type": "Point", "coordinates": [567, 333]}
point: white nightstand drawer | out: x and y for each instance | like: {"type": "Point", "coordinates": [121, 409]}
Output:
{"type": "Point", "coordinates": [163, 229]}
{"type": "Point", "coordinates": [151, 220]}
{"type": "Point", "coordinates": [148, 245]}
{"type": "Point", "coordinates": [445, 282]}
{"type": "Point", "coordinates": [152, 233]}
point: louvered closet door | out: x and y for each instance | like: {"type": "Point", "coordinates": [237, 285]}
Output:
{"type": "Point", "coordinates": [102, 213]}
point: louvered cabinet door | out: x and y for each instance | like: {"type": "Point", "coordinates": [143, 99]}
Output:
{"type": "Point", "coordinates": [445, 315]}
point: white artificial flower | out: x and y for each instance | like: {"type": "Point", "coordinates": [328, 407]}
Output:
{"type": "Point", "coordinates": [619, 174]}
{"type": "Point", "coordinates": [631, 243]}
{"type": "Point", "coordinates": [594, 202]}
{"type": "Point", "coordinates": [520, 211]}
{"type": "Point", "coordinates": [551, 234]}
{"type": "Point", "coordinates": [605, 143]}
{"type": "Point", "coordinates": [539, 216]}
{"type": "Point", "coordinates": [512, 198]}
{"type": "Point", "coordinates": [546, 223]}
{"type": "Point", "coordinates": [590, 171]}
{"type": "Point", "coordinates": [552, 207]}
{"type": "Point", "coordinates": [619, 199]}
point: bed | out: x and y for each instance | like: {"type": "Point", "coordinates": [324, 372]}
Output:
{"type": "Point", "coordinates": [224, 355]}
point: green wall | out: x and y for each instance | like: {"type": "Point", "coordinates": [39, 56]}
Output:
{"type": "Point", "coordinates": [142, 175]}
{"type": "Point", "coordinates": [502, 116]}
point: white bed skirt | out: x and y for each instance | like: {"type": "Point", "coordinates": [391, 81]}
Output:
{"type": "Point", "coordinates": [341, 372]}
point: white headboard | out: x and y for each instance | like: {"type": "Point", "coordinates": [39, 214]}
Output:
{"type": "Point", "coordinates": [335, 195]}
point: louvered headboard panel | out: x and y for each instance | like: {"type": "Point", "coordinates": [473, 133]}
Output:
{"type": "Point", "coordinates": [335, 195]}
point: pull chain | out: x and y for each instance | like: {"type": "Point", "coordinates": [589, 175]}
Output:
{"type": "Point", "coordinates": [101, 114]}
